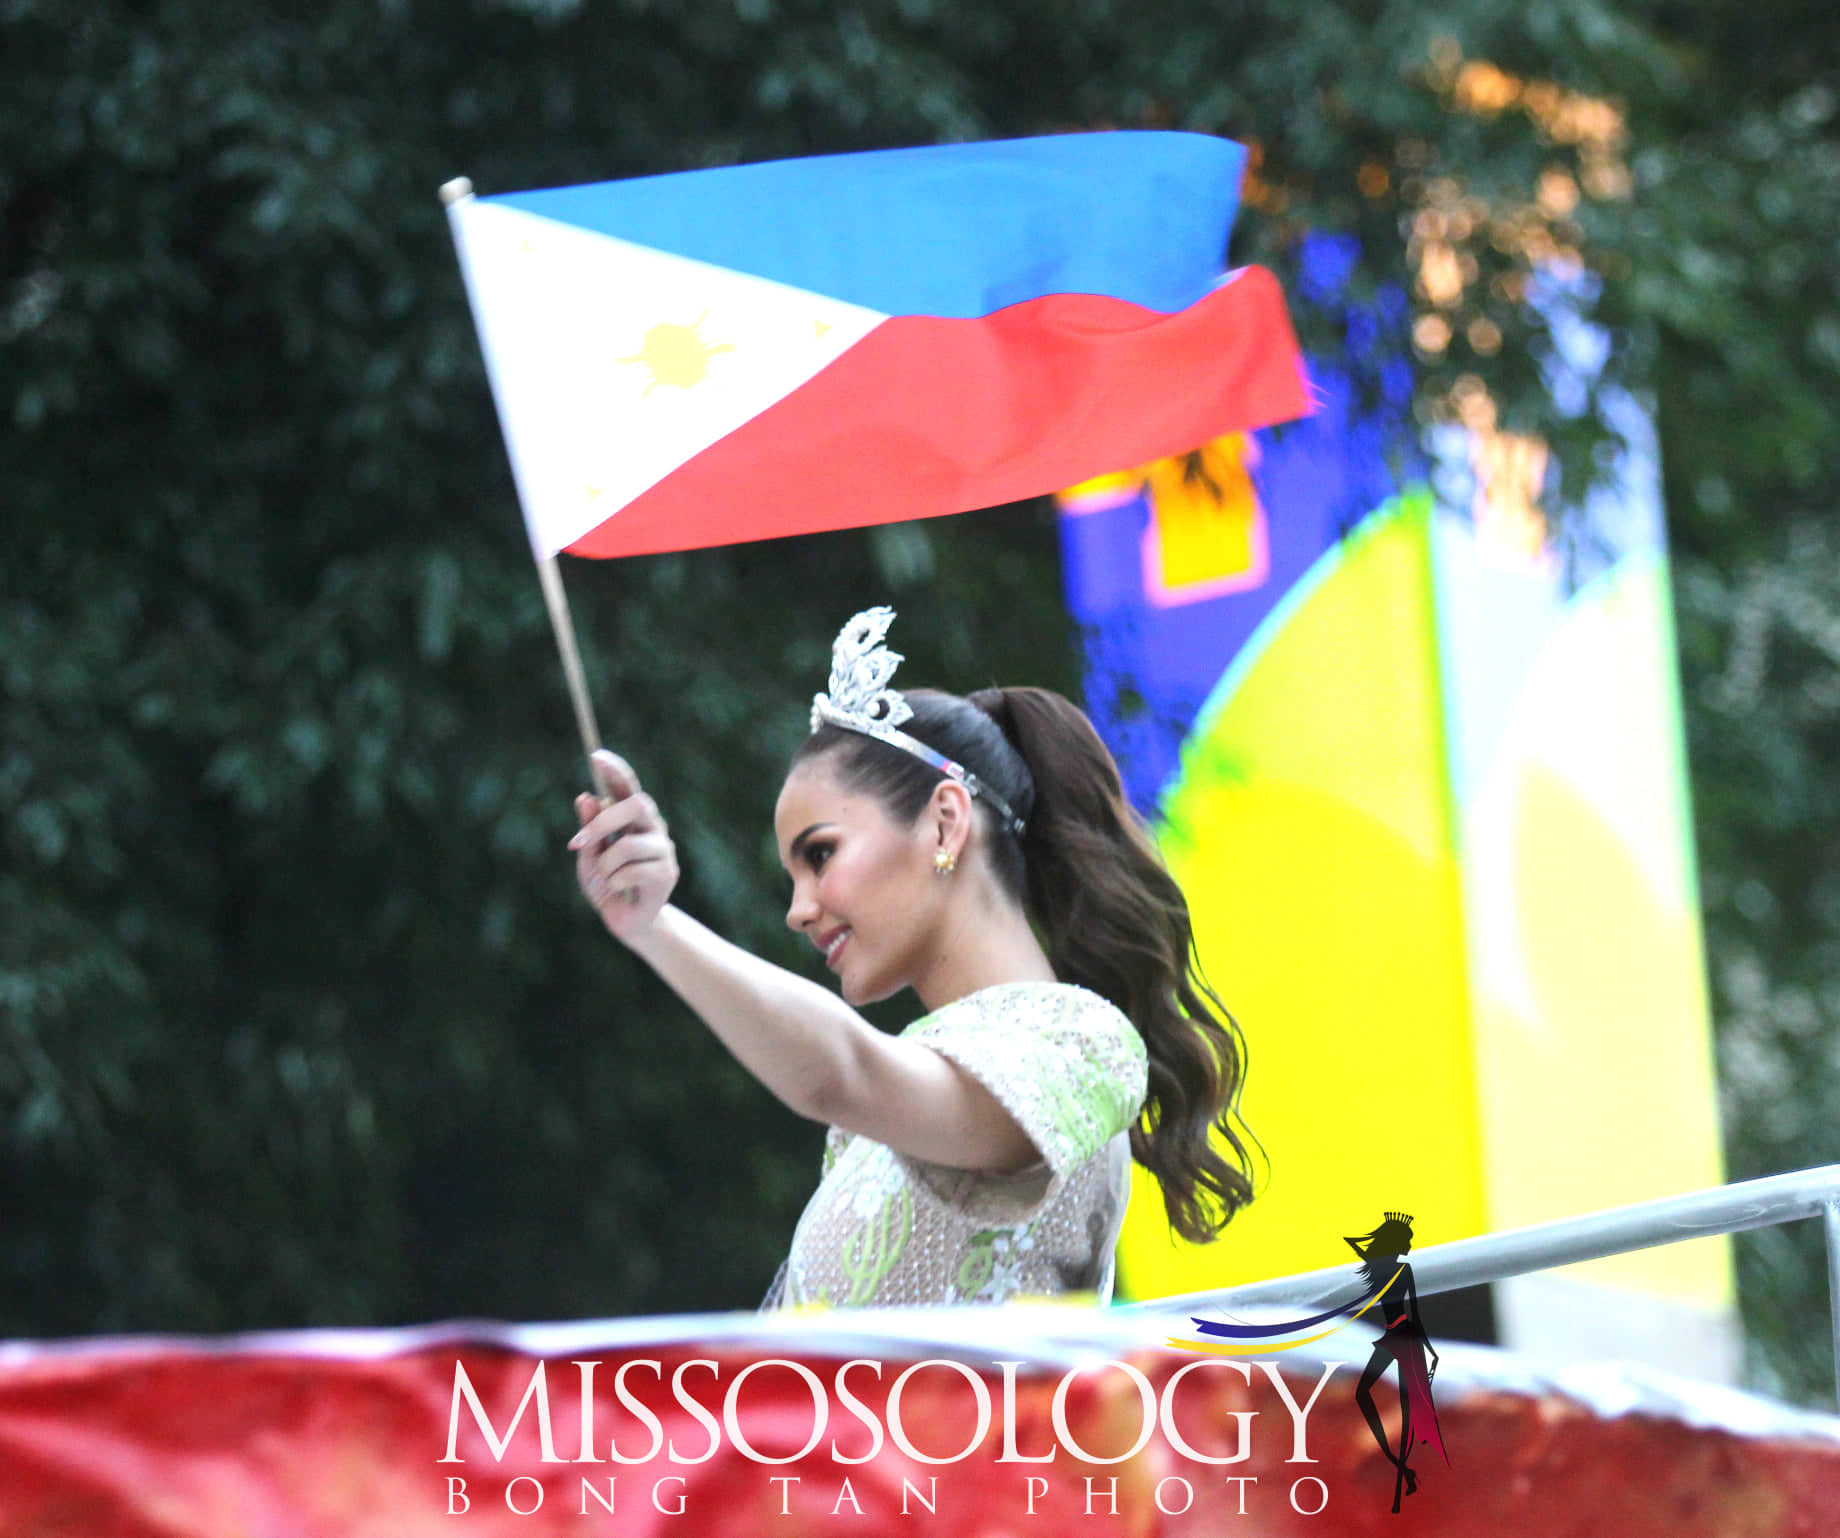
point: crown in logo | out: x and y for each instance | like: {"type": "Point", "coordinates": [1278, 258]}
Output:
{"type": "Point", "coordinates": [1400, 1217]}
{"type": "Point", "coordinates": [860, 700]}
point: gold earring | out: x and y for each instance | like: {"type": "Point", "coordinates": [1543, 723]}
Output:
{"type": "Point", "coordinates": [944, 861]}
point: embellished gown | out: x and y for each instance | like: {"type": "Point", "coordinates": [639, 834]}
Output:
{"type": "Point", "coordinates": [888, 1230]}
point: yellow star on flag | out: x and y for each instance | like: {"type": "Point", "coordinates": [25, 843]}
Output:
{"type": "Point", "coordinates": [590, 326]}
{"type": "Point", "coordinates": [677, 355]}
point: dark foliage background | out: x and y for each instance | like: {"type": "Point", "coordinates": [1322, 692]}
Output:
{"type": "Point", "coordinates": [300, 1022]}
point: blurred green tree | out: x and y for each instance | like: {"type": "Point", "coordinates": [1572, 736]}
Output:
{"type": "Point", "coordinates": [300, 1021]}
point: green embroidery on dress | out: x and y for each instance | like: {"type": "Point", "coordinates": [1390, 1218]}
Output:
{"type": "Point", "coordinates": [980, 1260]}
{"type": "Point", "coordinates": [837, 1145]}
{"type": "Point", "coordinates": [994, 1264]}
{"type": "Point", "coordinates": [873, 1250]}
{"type": "Point", "coordinates": [1082, 1116]}
{"type": "Point", "coordinates": [1084, 1111]}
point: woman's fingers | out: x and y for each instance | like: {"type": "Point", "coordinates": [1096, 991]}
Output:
{"type": "Point", "coordinates": [620, 865]}
{"type": "Point", "coordinates": [629, 884]}
{"type": "Point", "coordinates": [625, 862]}
{"type": "Point", "coordinates": [613, 774]}
{"type": "Point", "coordinates": [602, 825]}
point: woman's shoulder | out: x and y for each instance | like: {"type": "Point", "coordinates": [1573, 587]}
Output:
{"type": "Point", "coordinates": [1037, 1008]}
{"type": "Point", "coordinates": [1067, 1065]}
{"type": "Point", "coordinates": [1035, 998]}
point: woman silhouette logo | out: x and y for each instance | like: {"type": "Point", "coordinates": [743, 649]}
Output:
{"type": "Point", "coordinates": [1387, 1288]}
{"type": "Point", "coordinates": [1402, 1341]}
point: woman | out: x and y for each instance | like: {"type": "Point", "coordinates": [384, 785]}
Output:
{"type": "Point", "coordinates": [981, 852]}
{"type": "Point", "coordinates": [1385, 1271]}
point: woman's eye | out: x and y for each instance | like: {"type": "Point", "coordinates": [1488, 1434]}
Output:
{"type": "Point", "coordinates": [816, 855]}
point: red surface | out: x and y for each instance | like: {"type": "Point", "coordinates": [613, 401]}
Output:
{"type": "Point", "coordinates": [225, 1445]}
{"type": "Point", "coordinates": [927, 416]}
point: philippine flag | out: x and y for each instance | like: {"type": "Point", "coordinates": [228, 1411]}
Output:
{"type": "Point", "coordinates": [714, 356]}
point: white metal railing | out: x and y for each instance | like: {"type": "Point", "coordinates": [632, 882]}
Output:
{"type": "Point", "coordinates": [1812, 1193]}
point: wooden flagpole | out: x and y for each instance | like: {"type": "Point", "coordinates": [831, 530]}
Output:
{"type": "Point", "coordinates": [557, 602]}
{"type": "Point", "coordinates": [555, 599]}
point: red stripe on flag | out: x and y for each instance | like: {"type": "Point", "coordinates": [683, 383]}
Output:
{"type": "Point", "coordinates": [926, 416]}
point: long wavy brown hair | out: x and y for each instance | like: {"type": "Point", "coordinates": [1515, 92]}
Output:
{"type": "Point", "coordinates": [1110, 916]}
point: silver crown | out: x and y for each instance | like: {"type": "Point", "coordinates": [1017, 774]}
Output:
{"type": "Point", "coordinates": [861, 667]}
{"type": "Point", "coordinates": [860, 700]}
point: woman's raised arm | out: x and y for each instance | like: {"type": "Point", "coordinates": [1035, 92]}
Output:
{"type": "Point", "coordinates": [806, 1045]}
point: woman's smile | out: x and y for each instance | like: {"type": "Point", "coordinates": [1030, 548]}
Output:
{"type": "Point", "coordinates": [854, 868]}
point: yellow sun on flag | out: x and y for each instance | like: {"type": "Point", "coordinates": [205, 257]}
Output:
{"type": "Point", "coordinates": [677, 355]}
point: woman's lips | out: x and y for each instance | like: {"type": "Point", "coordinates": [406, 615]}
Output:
{"type": "Point", "coordinates": [835, 949]}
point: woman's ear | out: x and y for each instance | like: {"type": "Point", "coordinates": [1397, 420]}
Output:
{"type": "Point", "coordinates": [950, 814]}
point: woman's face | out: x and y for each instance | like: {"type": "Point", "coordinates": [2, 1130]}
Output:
{"type": "Point", "coordinates": [863, 886]}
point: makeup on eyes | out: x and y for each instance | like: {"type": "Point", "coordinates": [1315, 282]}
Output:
{"type": "Point", "coordinates": [796, 850]}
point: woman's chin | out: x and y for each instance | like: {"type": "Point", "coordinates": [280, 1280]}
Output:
{"type": "Point", "coordinates": [858, 990]}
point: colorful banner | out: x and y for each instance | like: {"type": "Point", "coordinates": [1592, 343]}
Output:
{"type": "Point", "coordinates": [1592, 1037]}
{"type": "Point", "coordinates": [1418, 768]}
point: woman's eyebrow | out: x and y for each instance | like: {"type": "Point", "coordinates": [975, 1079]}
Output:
{"type": "Point", "coordinates": [798, 843]}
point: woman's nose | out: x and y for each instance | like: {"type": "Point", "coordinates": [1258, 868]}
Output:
{"type": "Point", "coordinates": [801, 910]}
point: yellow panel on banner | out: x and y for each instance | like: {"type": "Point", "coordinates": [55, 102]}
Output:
{"type": "Point", "coordinates": [1311, 831]}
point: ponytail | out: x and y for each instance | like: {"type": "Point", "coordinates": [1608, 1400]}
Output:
{"type": "Point", "coordinates": [1114, 921]}
{"type": "Point", "coordinates": [1111, 917]}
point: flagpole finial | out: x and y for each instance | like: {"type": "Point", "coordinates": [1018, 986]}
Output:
{"type": "Point", "coordinates": [456, 191]}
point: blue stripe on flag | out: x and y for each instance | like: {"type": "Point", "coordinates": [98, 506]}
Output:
{"type": "Point", "coordinates": [955, 230]}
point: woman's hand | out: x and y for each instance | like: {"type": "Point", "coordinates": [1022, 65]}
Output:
{"type": "Point", "coordinates": [624, 858]}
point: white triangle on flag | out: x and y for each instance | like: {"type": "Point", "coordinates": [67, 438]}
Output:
{"type": "Point", "coordinates": [613, 363]}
